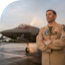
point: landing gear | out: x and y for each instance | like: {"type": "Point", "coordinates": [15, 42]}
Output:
{"type": "Point", "coordinates": [27, 50]}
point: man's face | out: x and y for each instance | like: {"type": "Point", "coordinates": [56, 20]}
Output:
{"type": "Point", "coordinates": [50, 16]}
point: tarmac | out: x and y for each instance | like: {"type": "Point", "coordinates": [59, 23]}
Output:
{"type": "Point", "coordinates": [13, 55]}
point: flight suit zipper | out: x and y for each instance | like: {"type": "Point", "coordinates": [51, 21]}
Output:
{"type": "Point", "coordinates": [49, 53]}
{"type": "Point", "coordinates": [50, 30]}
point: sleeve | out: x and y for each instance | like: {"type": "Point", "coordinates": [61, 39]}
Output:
{"type": "Point", "coordinates": [39, 41]}
{"type": "Point", "coordinates": [57, 44]}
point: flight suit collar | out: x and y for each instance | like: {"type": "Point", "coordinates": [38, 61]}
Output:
{"type": "Point", "coordinates": [53, 26]}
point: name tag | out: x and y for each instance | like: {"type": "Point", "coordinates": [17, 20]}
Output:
{"type": "Point", "coordinates": [54, 33]}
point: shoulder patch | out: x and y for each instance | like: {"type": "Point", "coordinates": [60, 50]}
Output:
{"type": "Point", "coordinates": [64, 27]}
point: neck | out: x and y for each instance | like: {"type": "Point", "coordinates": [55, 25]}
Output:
{"type": "Point", "coordinates": [51, 24]}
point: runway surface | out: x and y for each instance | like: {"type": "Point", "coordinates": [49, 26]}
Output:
{"type": "Point", "coordinates": [14, 54]}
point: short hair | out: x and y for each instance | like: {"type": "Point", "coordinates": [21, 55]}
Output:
{"type": "Point", "coordinates": [52, 11]}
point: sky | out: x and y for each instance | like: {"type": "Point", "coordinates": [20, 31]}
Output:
{"type": "Point", "coordinates": [32, 12]}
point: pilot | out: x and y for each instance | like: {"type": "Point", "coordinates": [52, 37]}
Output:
{"type": "Point", "coordinates": [51, 41]}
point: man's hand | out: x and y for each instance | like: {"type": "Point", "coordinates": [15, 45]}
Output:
{"type": "Point", "coordinates": [44, 41]}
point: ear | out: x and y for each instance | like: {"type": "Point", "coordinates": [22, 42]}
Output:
{"type": "Point", "coordinates": [55, 16]}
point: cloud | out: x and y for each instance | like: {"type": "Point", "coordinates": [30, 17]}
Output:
{"type": "Point", "coordinates": [24, 11]}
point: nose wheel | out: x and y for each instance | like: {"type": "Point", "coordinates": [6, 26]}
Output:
{"type": "Point", "coordinates": [27, 50]}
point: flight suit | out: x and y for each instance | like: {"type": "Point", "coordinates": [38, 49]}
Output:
{"type": "Point", "coordinates": [53, 52]}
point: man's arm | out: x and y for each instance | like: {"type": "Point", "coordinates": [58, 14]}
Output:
{"type": "Point", "coordinates": [59, 43]}
{"type": "Point", "coordinates": [39, 41]}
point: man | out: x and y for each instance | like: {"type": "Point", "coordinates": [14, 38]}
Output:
{"type": "Point", "coordinates": [51, 41]}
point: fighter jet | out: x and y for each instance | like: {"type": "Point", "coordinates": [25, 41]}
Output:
{"type": "Point", "coordinates": [23, 32]}
{"type": "Point", "coordinates": [27, 34]}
